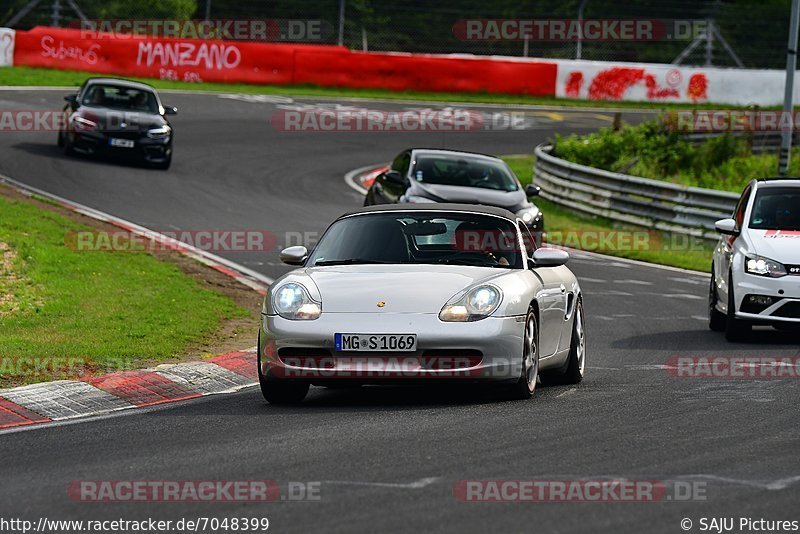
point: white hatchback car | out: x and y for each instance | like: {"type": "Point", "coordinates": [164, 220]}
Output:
{"type": "Point", "coordinates": [755, 277]}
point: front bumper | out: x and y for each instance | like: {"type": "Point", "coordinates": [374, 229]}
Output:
{"type": "Point", "coordinates": [145, 148]}
{"type": "Point", "coordinates": [490, 349]}
{"type": "Point", "coordinates": [784, 292]}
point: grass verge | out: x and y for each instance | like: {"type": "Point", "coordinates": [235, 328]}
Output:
{"type": "Point", "coordinates": [567, 228]}
{"type": "Point", "coordinates": [76, 313]}
{"type": "Point", "coordinates": [31, 76]}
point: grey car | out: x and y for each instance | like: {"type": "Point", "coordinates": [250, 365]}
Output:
{"type": "Point", "coordinates": [422, 293]}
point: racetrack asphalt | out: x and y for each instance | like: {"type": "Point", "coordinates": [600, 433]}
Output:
{"type": "Point", "coordinates": [388, 458]}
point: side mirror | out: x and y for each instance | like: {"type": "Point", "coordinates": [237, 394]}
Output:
{"type": "Point", "coordinates": [72, 99]}
{"type": "Point", "coordinates": [549, 257]}
{"type": "Point", "coordinates": [394, 177]}
{"type": "Point", "coordinates": [532, 190]}
{"type": "Point", "coordinates": [294, 255]}
{"type": "Point", "coordinates": [726, 227]}
{"type": "Point", "coordinates": [170, 110]}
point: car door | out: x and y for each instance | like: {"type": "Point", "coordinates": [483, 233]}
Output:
{"type": "Point", "coordinates": [552, 298]}
{"type": "Point", "coordinates": [388, 192]}
{"type": "Point", "coordinates": [724, 253]}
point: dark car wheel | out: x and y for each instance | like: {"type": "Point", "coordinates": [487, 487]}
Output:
{"type": "Point", "coordinates": [716, 319]}
{"type": "Point", "coordinates": [572, 372]}
{"type": "Point", "coordinates": [164, 165]}
{"type": "Point", "coordinates": [280, 390]}
{"type": "Point", "coordinates": [735, 329]}
{"type": "Point", "coordinates": [525, 386]}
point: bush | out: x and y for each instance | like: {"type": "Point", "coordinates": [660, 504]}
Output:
{"type": "Point", "coordinates": [650, 150]}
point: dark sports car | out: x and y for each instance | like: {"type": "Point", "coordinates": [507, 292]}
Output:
{"type": "Point", "coordinates": [119, 119]}
{"type": "Point", "coordinates": [429, 175]}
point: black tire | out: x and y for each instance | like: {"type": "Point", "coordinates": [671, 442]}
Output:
{"type": "Point", "coordinates": [716, 319]}
{"type": "Point", "coordinates": [66, 146]}
{"type": "Point", "coordinates": [735, 329]}
{"type": "Point", "coordinates": [60, 141]}
{"type": "Point", "coordinates": [572, 372]}
{"type": "Point", "coordinates": [164, 165]}
{"type": "Point", "coordinates": [280, 390]}
{"type": "Point", "coordinates": [367, 199]}
{"type": "Point", "coordinates": [525, 386]}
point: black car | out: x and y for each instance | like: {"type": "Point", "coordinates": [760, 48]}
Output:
{"type": "Point", "coordinates": [120, 119]}
{"type": "Point", "coordinates": [431, 175]}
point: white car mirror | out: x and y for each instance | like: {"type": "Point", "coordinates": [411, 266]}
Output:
{"type": "Point", "coordinates": [726, 227]}
{"type": "Point", "coordinates": [294, 255]}
{"type": "Point", "coordinates": [549, 257]}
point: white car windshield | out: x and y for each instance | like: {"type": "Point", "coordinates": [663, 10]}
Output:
{"type": "Point", "coordinates": [776, 208]}
{"type": "Point", "coordinates": [420, 238]}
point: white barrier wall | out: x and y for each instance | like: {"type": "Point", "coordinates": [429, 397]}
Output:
{"type": "Point", "coordinates": [6, 47]}
{"type": "Point", "coordinates": [652, 82]}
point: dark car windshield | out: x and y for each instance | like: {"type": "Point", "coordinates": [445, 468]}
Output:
{"type": "Point", "coordinates": [776, 208]}
{"type": "Point", "coordinates": [420, 238]}
{"type": "Point", "coordinates": [464, 171]}
{"type": "Point", "coordinates": [119, 97]}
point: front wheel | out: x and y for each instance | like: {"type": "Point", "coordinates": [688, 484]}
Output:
{"type": "Point", "coordinates": [280, 390]}
{"type": "Point", "coordinates": [735, 329]}
{"type": "Point", "coordinates": [525, 386]}
{"type": "Point", "coordinates": [716, 319]}
{"type": "Point", "coordinates": [576, 361]}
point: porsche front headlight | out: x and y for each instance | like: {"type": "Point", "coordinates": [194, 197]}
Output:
{"type": "Point", "coordinates": [291, 301]}
{"type": "Point", "coordinates": [478, 303]}
{"type": "Point", "coordinates": [162, 132]}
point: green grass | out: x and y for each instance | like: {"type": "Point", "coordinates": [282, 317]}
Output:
{"type": "Point", "coordinates": [38, 76]}
{"type": "Point", "coordinates": [110, 310]}
{"type": "Point", "coordinates": [568, 228]}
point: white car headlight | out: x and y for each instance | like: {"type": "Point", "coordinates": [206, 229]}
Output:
{"type": "Point", "coordinates": [291, 301]}
{"type": "Point", "coordinates": [162, 132]}
{"type": "Point", "coordinates": [764, 267]}
{"type": "Point", "coordinates": [529, 215]}
{"type": "Point", "coordinates": [82, 123]}
{"type": "Point", "coordinates": [478, 303]}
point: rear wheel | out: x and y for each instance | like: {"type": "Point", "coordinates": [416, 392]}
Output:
{"type": "Point", "coordinates": [716, 319]}
{"type": "Point", "coordinates": [280, 390]}
{"type": "Point", "coordinates": [735, 329]}
{"type": "Point", "coordinates": [525, 386]}
{"type": "Point", "coordinates": [576, 361]}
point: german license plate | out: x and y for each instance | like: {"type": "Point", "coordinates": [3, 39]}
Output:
{"type": "Point", "coordinates": [375, 342]}
{"type": "Point", "coordinates": [121, 143]}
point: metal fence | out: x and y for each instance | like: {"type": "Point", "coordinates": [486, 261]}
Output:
{"type": "Point", "coordinates": [631, 199]}
{"type": "Point", "coordinates": [740, 32]}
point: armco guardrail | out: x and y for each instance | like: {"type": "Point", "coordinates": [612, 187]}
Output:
{"type": "Point", "coordinates": [631, 199]}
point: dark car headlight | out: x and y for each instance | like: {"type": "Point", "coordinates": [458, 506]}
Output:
{"type": "Point", "coordinates": [162, 132]}
{"type": "Point", "coordinates": [764, 267]}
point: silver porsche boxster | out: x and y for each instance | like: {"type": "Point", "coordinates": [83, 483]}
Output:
{"type": "Point", "coordinates": [422, 293]}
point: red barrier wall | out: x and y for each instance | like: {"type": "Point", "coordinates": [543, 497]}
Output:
{"type": "Point", "coordinates": [268, 63]}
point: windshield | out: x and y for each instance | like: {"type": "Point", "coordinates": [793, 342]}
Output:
{"type": "Point", "coordinates": [776, 208]}
{"type": "Point", "coordinates": [464, 171]}
{"type": "Point", "coordinates": [116, 97]}
{"type": "Point", "coordinates": [420, 238]}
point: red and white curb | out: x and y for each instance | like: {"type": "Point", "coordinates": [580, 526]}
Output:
{"type": "Point", "coordinates": [69, 399]}
{"type": "Point", "coordinates": [361, 179]}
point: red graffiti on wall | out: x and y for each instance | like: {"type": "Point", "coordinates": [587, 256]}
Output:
{"type": "Point", "coordinates": [698, 87]}
{"type": "Point", "coordinates": [614, 83]}
{"type": "Point", "coordinates": [574, 84]}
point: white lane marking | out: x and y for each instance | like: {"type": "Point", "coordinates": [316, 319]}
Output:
{"type": "Point", "coordinates": [700, 317]}
{"type": "Point", "coordinates": [602, 317]}
{"type": "Point", "coordinates": [603, 368]}
{"type": "Point", "coordinates": [692, 281]}
{"type": "Point", "coordinates": [771, 485]}
{"type": "Point", "coordinates": [677, 296]}
{"type": "Point", "coordinates": [350, 177]}
{"type": "Point", "coordinates": [613, 293]}
{"type": "Point", "coordinates": [592, 280]}
{"type": "Point", "coordinates": [633, 282]}
{"type": "Point", "coordinates": [417, 484]}
{"type": "Point", "coordinates": [568, 392]}
{"type": "Point", "coordinates": [623, 315]}
{"type": "Point", "coordinates": [258, 99]}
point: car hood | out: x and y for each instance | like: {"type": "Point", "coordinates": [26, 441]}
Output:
{"type": "Point", "coordinates": [403, 288]}
{"type": "Point", "coordinates": [111, 120]}
{"type": "Point", "coordinates": [782, 246]}
{"type": "Point", "coordinates": [510, 200]}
